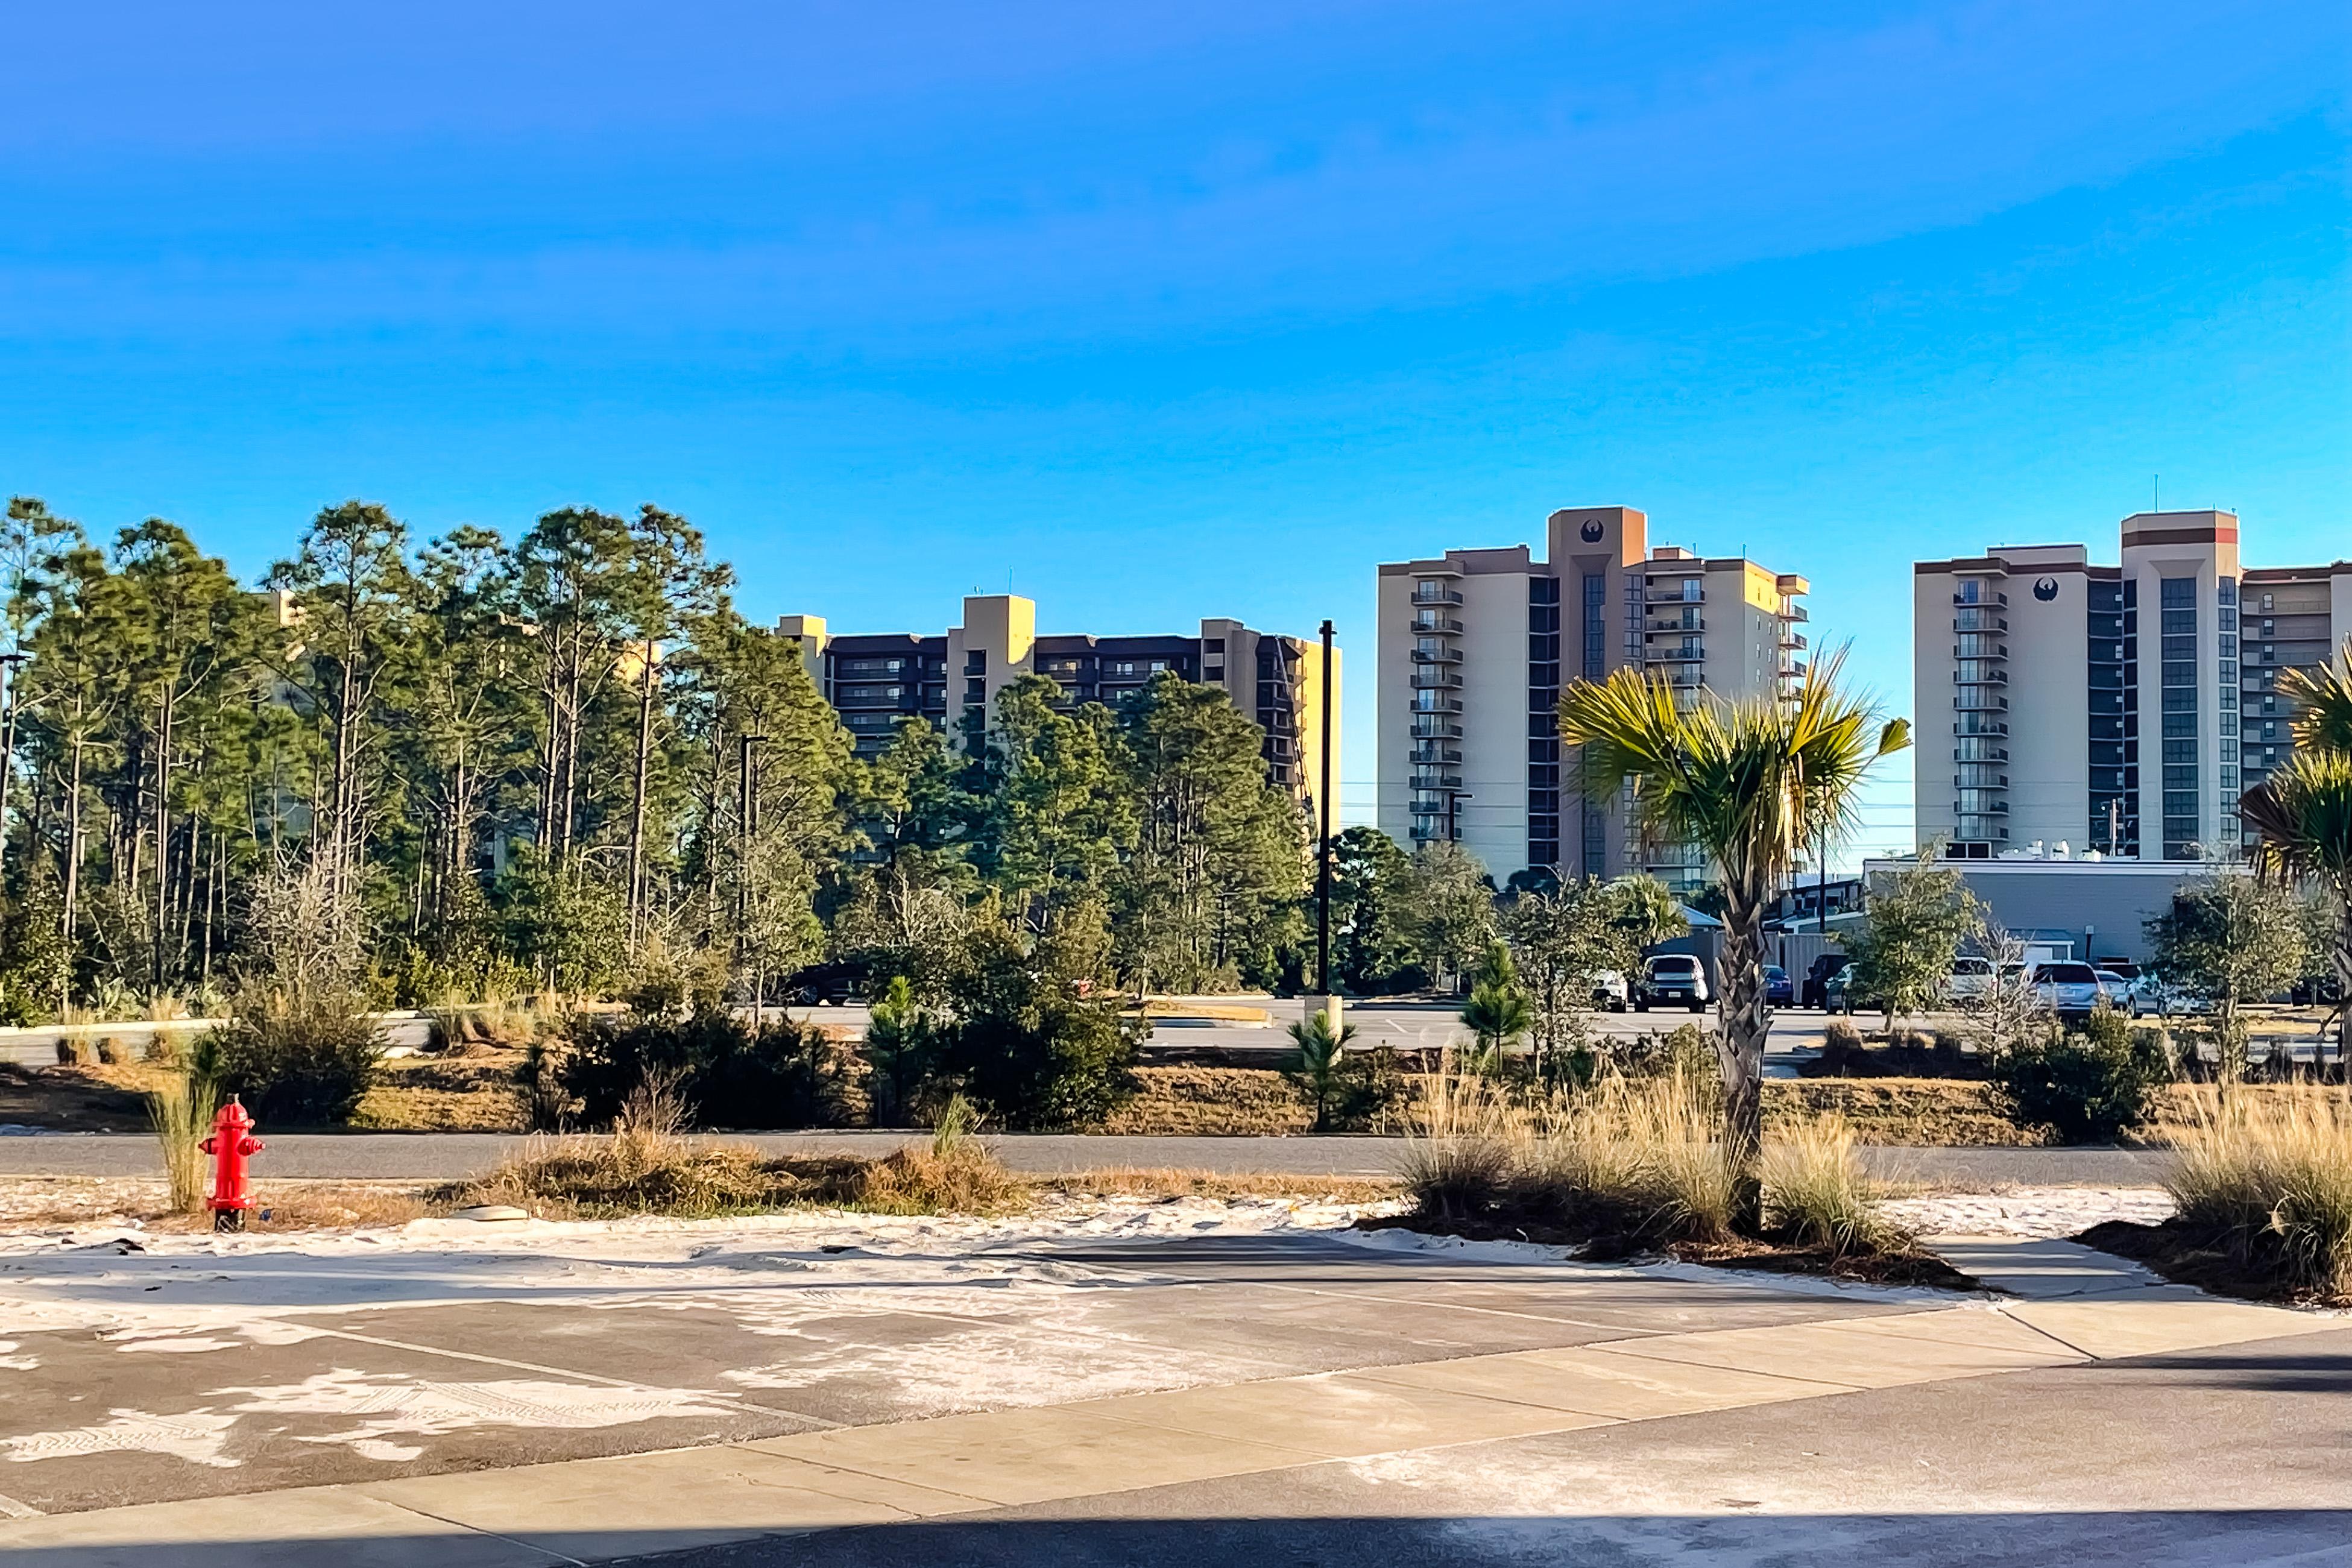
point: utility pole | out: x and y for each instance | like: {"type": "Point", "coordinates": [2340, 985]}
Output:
{"type": "Point", "coordinates": [1821, 880]}
{"type": "Point", "coordinates": [1323, 858]}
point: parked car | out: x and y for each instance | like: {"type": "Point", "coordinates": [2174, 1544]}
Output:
{"type": "Point", "coordinates": [2070, 991]}
{"type": "Point", "coordinates": [1841, 993]}
{"type": "Point", "coordinates": [1970, 980]}
{"type": "Point", "coordinates": [1812, 993]}
{"type": "Point", "coordinates": [2117, 990]}
{"type": "Point", "coordinates": [1673, 978]}
{"type": "Point", "coordinates": [826, 984]}
{"type": "Point", "coordinates": [1778, 991]}
{"type": "Point", "coordinates": [1609, 991]}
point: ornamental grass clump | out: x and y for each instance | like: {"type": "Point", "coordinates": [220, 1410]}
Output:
{"type": "Point", "coordinates": [1816, 1194]}
{"type": "Point", "coordinates": [2268, 1182]}
{"type": "Point", "coordinates": [181, 1113]}
{"type": "Point", "coordinates": [1466, 1143]}
{"type": "Point", "coordinates": [1627, 1161]}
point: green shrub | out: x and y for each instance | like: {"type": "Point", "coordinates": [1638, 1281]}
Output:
{"type": "Point", "coordinates": [728, 1073]}
{"type": "Point", "coordinates": [902, 1047]}
{"type": "Point", "coordinates": [2087, 1086]}
{"type": "Point", "coordinates": [299, 1057]}
{"type": "Point", "coordinates": [1687, 1053]}
{"type": "Point", "coordinates": [1035, 1045]}
{"type": "Point", "coordinates": [1056, 1061]}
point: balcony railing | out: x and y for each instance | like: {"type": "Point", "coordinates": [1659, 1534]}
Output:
{"type": "Point", "coordinates": [1437, 625]}
{"type": "Point", "coordinates": [1437, 655]}
{"type": "Point", "coordinates": [1996, 650]}
{"type": "Point", "coordinates": [1981, 678]}
{"type": "Point", "coordinates": [1991, 754]}
{"type": "Point", "coordinates": [1795, 612]}
{"type": "Point", "coordinates": [1791, 643]}
{"type": "Point", "coordinates": [1431, 593]}
{"type": "Point", "coordinates": [1428, 753]}
{"type": "Point", "coordinates": [1436, 678]}
{"type": "Point", "coordinates": [1978, 621]}
{"type": "Point", "coordinates": [1989, 809]}
{"type": "Point", "coordinates": [1436, 702]}
{"type": "Point", "coordinates": [1435, 778]}
{"type": "Point", "coordinates": [1431, 726]}
{"type": "Point", "coordinates": [1674, 593]}
{"type": "Point", "coordinates": [1983, 602]}
{"type": "Point", "coordinates": [1694, 623]}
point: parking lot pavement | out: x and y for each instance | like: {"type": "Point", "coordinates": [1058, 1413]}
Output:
{"type": "Point", "coordinates": [140, 1377]}
{"type": "Point", "coordinates": [1731, 1422]}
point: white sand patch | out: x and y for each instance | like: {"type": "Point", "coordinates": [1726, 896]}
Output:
{"type": "Point", "coordinates": [238, 1284]}
{"type": "Point", "coordinates": [391, 1406]}
{"type": "Point", "coordinates": [196, 1436]}
{"type": "Point", "coordinates": [2030, 1212]}
{"type": "Point", "coordinates": [181, 1344]}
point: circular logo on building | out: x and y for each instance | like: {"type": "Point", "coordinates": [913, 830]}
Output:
{"type": "Point", "coordinates": [2046, 590]}
{"type": "Point", "coordinates": [1590, 530]}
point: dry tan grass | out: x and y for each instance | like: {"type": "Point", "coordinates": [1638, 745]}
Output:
{"type": "Point", "coordinates": [2271, 1178]}
{"type": "Point", "coordinates": [1816, 1193]}
{"type": "Point", "coordinates": [289, 1206]}
{"type": "Point", "coordinates": [1169, 1181]}
{"type": "Point", "coordinates": [1919, 1113]}
{"type": "Point", "coordinates": [181, 1113]}
{"type": "Point", "coordinates": [1626, 1157]}
{"type": "Point", "coordinates": [1211, 1101]}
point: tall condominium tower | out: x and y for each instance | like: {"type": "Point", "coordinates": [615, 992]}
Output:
{"type": "Point", "coordinates": [876, 682]}
{"type": "Point", "coordinates": [2115, 709]}
{"type": "Point", "coordinates": [1475, 645]}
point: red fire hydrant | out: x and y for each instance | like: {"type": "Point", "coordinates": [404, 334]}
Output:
{"type": "Point", "coordinates": [229, 1145]}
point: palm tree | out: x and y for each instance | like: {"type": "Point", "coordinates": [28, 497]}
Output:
{"type": "Point", "coordinates": [2301, 814]}
{"type": "Point", "coordinates": [1322, 1067]}
{"type": "Point", "coordinates": [1754, 783]}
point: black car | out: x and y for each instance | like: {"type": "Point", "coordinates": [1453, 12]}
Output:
{"type": "Point", "coordinates": [826, 984]}
{"type": "Point", "coordinates": [1778, 991]}
{"type": "Point", "coordinates": [1814, 992]}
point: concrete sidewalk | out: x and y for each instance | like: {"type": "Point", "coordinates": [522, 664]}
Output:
{"type": "Point", "coordinates": [2076, 1314]}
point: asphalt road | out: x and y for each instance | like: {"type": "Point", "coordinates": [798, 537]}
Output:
{"type": "Point", "coordinates": [450, 1157]}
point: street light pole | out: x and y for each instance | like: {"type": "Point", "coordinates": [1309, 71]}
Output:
{"type": "Point", "coordinates": [1323, 858]}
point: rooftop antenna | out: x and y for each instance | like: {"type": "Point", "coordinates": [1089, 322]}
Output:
{"type": "Point", "coordinates": [2156, 492]}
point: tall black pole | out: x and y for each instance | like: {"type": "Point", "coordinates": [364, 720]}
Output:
{"type": "Point", "coordinates": [1323, 860]}
{"type": "Point", "coordinates": [1822, 875]}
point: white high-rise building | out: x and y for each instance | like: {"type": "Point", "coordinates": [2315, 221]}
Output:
{"type": "Point", "coordinates": [2115, 709]}
{"type": "Point", "coordinates": [1476, 643]}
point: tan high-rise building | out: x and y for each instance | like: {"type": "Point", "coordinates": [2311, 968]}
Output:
{"type": "Point", "coordinates": [1476, 643]}
{"type": "Point", "coordinates": [2120, 709]}
{"type": "Point", "coordinates": [876, 682]}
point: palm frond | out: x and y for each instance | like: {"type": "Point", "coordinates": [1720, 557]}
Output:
{"type": "Point", "coordinates": [2323, 720]}
{"type": "Point", "coordinates": [1754, 782]}
{"type": "Point", "coordinates": [2302, 817]}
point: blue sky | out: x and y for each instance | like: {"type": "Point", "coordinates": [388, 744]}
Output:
{"type": "Point", "coordinates": [1157, 311]}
